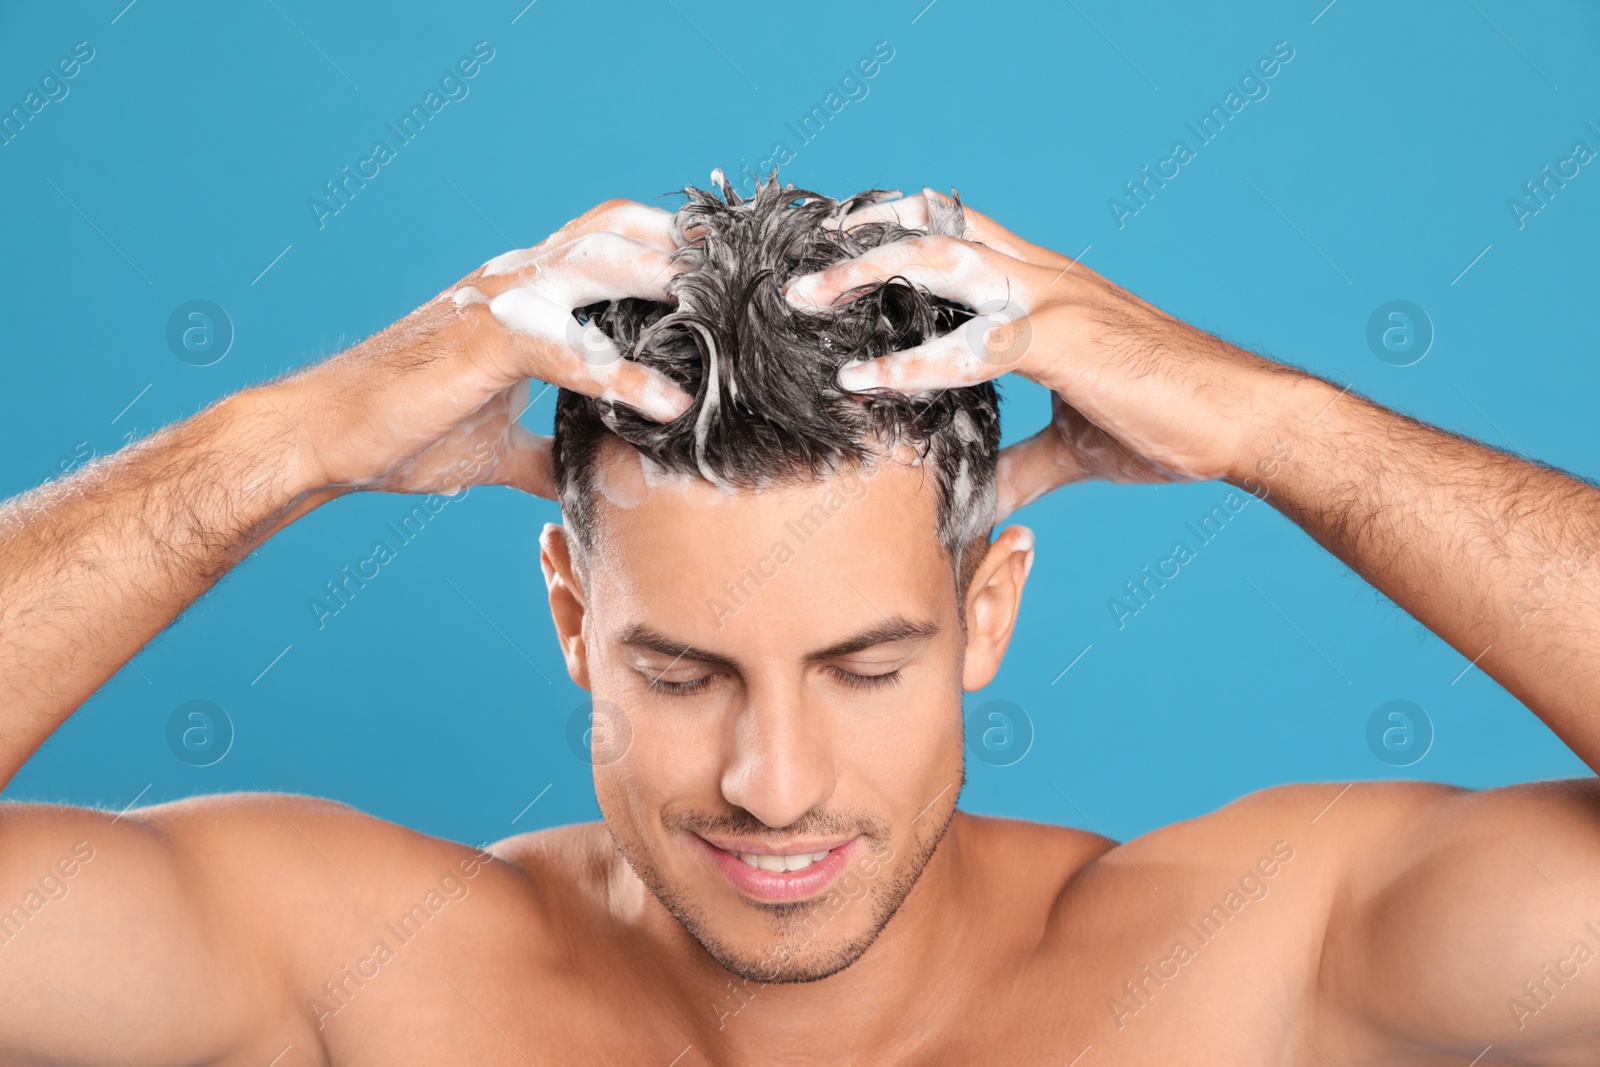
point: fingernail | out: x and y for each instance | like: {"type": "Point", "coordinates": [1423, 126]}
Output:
{"type": "Point", "coordinates": [672, 406]}
{"type": "Point", "coordinates": [797, 291]}
{"type": "Point", "coordinates": [662, 400]}
{"type": "Point", "coordinates": [858, 376]}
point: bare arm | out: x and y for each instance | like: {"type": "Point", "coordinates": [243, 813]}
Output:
{"type": "Point", "coordinates": [1493, 553]}
{"type": "Point", "coordinates": [1463, 920]}
{"type": "Point", "coordinates": [94, 566]}
{"type": "Point", "coordinates": [216, 905]}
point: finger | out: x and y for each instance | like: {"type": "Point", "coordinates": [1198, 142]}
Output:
{"type": "Point", "coordinates": [602, 372]}
{"type": "Point", "coordinates": [908, 211]}
{"type": "Point", "coordinates": [965, 356]}
{"type": "Point", "coordinates": [956, 270]}
{"type": "Point", "coordinates": [912, 213]}
{"type": "Point", "coordinates": [547, 343]}
{"type": "Point", "coordinates": [595, 267]}
{"type": "Point", "coordinates": [624, 381]}
{"type": "Point", "coordinates": [517, 402]}
{"type": "Point", "coordinates": [610, 266]}
{"type": "Point", "coordinates": [526, 463]}
{"type": "Point", "coordinates": [982, 228]}
{"type": "Point", "coordinates": [640, 222]}
{"type": "Point", "coordinates": [1029, 469]}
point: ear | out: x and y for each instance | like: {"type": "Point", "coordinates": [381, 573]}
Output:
{"type": "Point", "coordinates": [567, 604]}
{"type": "Point", "coordinates": [993, 600]}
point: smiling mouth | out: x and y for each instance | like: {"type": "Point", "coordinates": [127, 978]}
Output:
{"type": "Point", "coordinates": [779, 876]}
{"type": "Point", "coordinates": [779, 864]}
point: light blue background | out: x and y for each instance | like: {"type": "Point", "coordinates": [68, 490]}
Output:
{"type": "Point", "coordinates": [1382, 160]}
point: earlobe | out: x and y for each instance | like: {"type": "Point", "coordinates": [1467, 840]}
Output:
{"type": "Point", "coordinates": [993, 600]}
{"type": "Point", "coordinates": [567, 605]}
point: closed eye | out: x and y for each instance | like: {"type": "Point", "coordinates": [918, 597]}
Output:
{"type": "Point", "coordinates": [694, 685]}
{"type": "Point", "coordinates": [849, 678]}
{"type": "Point", "coordinates": [866, 681]}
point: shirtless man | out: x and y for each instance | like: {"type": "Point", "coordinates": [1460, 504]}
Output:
{"type": "Point", "coordinates": [813, 723]}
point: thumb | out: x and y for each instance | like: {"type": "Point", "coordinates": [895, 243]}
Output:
{"type": "Point", "coordinates": [1029, 469]}
{"type": "Point", "coordinates": [526, 463]}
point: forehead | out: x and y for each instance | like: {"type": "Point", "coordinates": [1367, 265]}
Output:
{"type": "Point", "coordinates": [789, 564]}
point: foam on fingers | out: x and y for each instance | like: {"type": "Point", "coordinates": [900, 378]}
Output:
{"type": "Point", "coordinates": [943, 363]}
{"type": "Point", "coordinates": [638, 386]}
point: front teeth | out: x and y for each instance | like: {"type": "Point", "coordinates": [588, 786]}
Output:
{"type": "Point", "coordinates": [780, 864]}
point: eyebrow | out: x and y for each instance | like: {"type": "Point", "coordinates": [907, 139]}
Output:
{"type": "Point", "coordinates": [892, 628]}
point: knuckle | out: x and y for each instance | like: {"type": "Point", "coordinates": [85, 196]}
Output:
{"type": "Point", "coordinates": [595, 247]}
{"type": "Point", "coordinates": [937, 246]}
{"type": "Point", "coordinates": [600, 212]}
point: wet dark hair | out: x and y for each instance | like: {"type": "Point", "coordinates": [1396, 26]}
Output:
{"type": "Point", "coordinates": [768, 408]}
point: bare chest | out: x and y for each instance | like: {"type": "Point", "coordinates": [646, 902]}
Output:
{"type": "Point", "coordinates": [1104, 998]}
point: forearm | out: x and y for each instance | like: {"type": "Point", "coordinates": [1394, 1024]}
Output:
{"type": "Point", "coordinates": [1492, 553]}
{"type": "Point", "coordinates": [95, 565]}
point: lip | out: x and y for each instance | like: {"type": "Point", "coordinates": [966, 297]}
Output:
{"type": "Point", "coordinates": [771, 887]}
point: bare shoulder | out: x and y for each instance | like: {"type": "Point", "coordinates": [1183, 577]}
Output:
{"type": "Point", "coordinates": [313, 894]}
{"type": "Point", "coordinates": [316, 865]}
{"type": "Point", "coordinates": [248, 847]}
{"type": "Point", "coordinates": [1367, 832]}
{"type": "Point", "coordinates": [584, 850]}
{"type": "Point", "coordinates": [1326, 818]}
{"type": "Point", "coordinates": [572, 869]}
{"type": "Point", "coordinates": [1055, 848]}
{"type": "Point", "coordinates": [1296, 843]}
{"type": "Point", "coordinates": [317, 842]}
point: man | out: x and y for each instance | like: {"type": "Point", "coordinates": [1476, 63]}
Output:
{"type": "Point", "coordinates": [776, 452]}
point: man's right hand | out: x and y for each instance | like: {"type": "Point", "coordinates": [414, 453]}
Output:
{"type": "Point", "coordinates": [431, 403]}
{"type": "Point", "coordinates": [95, 565]}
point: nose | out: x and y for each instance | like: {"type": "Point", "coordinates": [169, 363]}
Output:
{"type": "Point", "coordinates": [782, 762]}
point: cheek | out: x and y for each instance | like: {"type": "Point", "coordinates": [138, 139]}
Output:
{"type": "Point", "coordinates": [671, 760]}
{"type": "Point", "coordinates": [903, 759]}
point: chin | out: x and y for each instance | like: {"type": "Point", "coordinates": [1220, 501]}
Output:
{"type": "Point", "coordinates": [795, 942]}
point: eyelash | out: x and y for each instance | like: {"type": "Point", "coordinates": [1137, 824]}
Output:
{"type": "Point", "coordinates": [855, 681]}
